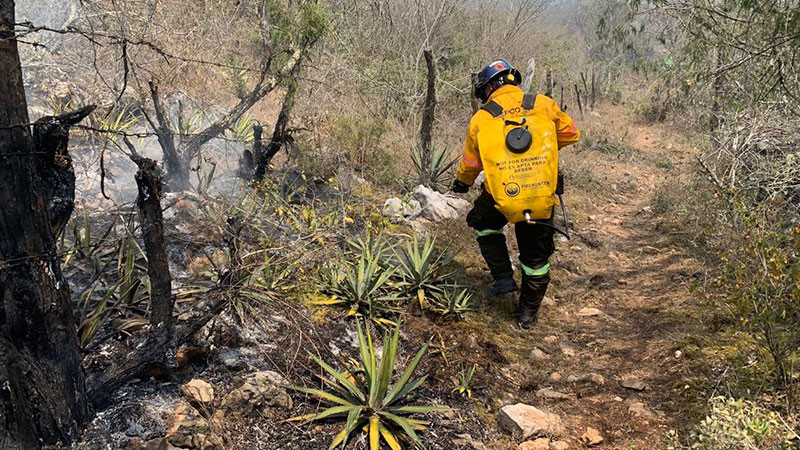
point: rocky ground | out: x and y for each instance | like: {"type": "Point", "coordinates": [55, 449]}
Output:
{"type": "Point", "coordinates": [604, 368]}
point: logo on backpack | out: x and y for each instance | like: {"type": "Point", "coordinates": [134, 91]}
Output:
{"type": "Point", "coordinates": [512, 189]}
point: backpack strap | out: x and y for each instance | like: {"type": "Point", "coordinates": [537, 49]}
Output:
{"type": "Point", "coordinates": [528, 100]}
{"type": "Point", "coordinates": [493, 108]}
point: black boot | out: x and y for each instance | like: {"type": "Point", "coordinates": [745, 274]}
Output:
{"type": "Point", "coordinates": [530, 298]}
{"type": "Point", "coordinates": [501, 286]}
{"type": "Point", "coordinates": [495, 253]}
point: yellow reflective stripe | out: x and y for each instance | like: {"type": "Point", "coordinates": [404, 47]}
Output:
{"type": "Point", "coordinates": [537, 272]}
{"type": "Point", "coordinates": [480, 233]}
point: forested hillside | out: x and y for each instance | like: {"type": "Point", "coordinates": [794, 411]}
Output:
{"type": "Point", "coordinates": [241, 224]}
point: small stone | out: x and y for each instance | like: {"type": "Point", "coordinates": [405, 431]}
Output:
{"type": "Point", "coordinates": [567, 350]}
{"type": "Point", "coordinates": [589, 312]}
{"type": "Point", "coordinates": [592, 377]}
{"type": "Point", "coordinates": [551, 394]}
{"type": "Point", "coordinates": [551, 339]}
{"type": "Point", "coordinates": [158, 444]}
{"type": "Point", "coordinates": [678, 353]}
{"type": "Point", "coordinates": [436, 206]}
{"type": "Point", "coordinates": [559, 445]}
{"type": "Point", "coordinates": [640, 410]}
{"type": "Point", "coordinates": [472, 343]}
{"type": "Point", "coordinates": [187, 428]}
{"type": "Point", "coordinates": [633, 382]}
{"type": "Point", "coordinates": [596, 378]}
{"type": "Point", "coordinates": [592, 437]}
{"type": "Point", "coordinates": [198, 392]}
{"type": "Point", "coordinates": [392, 207]}
{"type": "Point", "coordinates": [548, 301]}
{"type": "Point", "coordinates": [537, 354]}
{"type": "Point", "coordinates": [537, 444]}
{"type": "Point", "coordinates": [186, 354]}
{"type": "Point", "coordinates": [555, 377]}
{"type": "Point", "coordinates": [258, 392]}
{"type": "Point", "coordinates": [525, 421]}
{"type": "Point", "coordinates": [618, 399]}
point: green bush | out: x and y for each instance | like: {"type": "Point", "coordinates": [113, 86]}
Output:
{"type": "Point", "coordinates": [761, 275]}
{"type": "Point", "coordinates": [736, 424]}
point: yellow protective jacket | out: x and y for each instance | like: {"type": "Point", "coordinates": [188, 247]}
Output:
{"type": "Point", "coordinates": [560, 133]}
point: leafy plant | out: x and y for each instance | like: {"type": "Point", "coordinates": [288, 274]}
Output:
{"type": "Point", "coordinates": [362, 286]}
{"type": "Point", "coordinates": [420, 266]}
{"type": "Point", "coordinates": [735, 423]}
{"type": "Point", "coordinates": [122, 295]}
{"type": "Point", "coordinates": [242, 129]}
{"type": "Point", "coordinates": [438, 170]}
{"type": "Point", "coordinates": [117, 120]}
{"type": "Point", "coordinates": [463, 381]}
{"type": "Point", "coordinates": [452, 301]}
{"type": "Point", "coordinates": [206, 168]}
{"type": "Point", "coordinates": [238, 76]}
{"type": "Point", "coordinates": [761, 275]}
{"type": "Point", "coordinates": [367, 398]}
{"type": "Point", "coordinates": [267, 281]}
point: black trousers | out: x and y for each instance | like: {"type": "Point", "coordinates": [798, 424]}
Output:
{"type": "Point", "coordinates": [535, 242]}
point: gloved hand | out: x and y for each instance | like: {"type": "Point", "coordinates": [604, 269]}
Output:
{"type": "Point", "coordinates": [459, 187]}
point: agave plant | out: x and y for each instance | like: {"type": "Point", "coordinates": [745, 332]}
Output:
{"type": "Point", "coordinates": [420, 266]}
{"type": "Point", "coordinates": [437, 172]}
{"type": "Point", "coordinates": [463, 381]}
{"type": "Point", "coordinates": [362, 287]}
{"type": "Point", "coordinates": [374, 246]}
{"type": "Point", "coordinates": [368, 399]}
{"type": "Point", "coordinates": [117, 120]}
{"type": "Point", "coordinates": [452, 301]}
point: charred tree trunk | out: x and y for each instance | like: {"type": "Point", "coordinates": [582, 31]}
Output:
{"type": "Point", "coordinates": [176, 165]}
{"type": "Point", "coordinates": [155, 356]}
{"type": "Point", "coordinates": [549, 81]}
{"type": "Point", "coordinates": [426, 127]}
{"type": "Point", "coordinates": [475, 102]}
{"type": "Point", "coordinates": [578, 99]}
{"type": "Point", "coordinates": [162, 325]}
{"type": "Point", "coordinates": [50, 137]}
{"type": "Point", "coordinates": [42, 390]}
{"type": "Point", "coordinates": [247, 162]}
{"type": "Point", "coordinates": [280, 134]}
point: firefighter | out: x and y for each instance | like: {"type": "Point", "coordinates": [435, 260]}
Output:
{"type": "Point", "coordinates": [514, 138]}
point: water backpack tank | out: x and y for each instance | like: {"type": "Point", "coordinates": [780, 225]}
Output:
{"type": "Point", "coordinates": [519, 151]}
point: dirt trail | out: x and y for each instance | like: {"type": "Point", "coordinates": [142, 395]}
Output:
{"type": "Point", "coordinates": [625, 265]}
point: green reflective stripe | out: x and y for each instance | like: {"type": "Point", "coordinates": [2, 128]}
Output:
{"type": "Point", "coordinates": [539, 271]}
{"type": "Point", "coordinates": [480, 233]}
